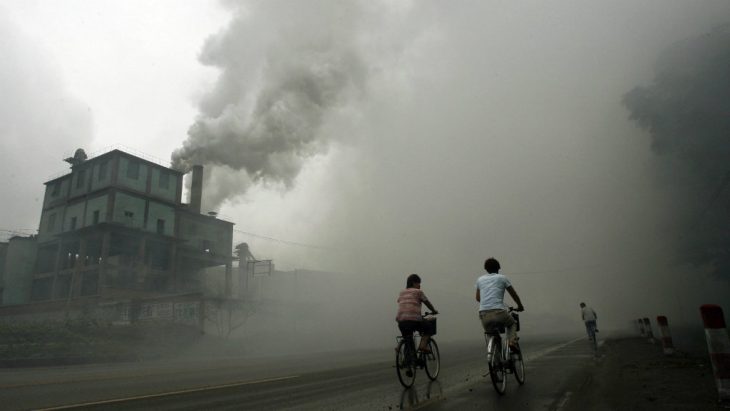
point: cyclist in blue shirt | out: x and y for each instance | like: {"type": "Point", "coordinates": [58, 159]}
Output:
{"type": "Point", "coordinates": [490, 295]}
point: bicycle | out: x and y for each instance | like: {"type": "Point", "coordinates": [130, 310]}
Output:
{"type": "Point", "coordinates": [501, 359]}
{"type": "Point", "coordinates": [408, 360]}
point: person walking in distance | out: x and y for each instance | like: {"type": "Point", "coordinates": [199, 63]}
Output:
{"type": "Point", "coordinates": [490, 295]}
{"type": "Point", "coordinates": [589, 318]}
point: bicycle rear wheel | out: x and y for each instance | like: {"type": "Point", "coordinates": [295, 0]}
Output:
{"type": "Point", "coordinates": [405, 365]}
{"type": "Point", "coordinates": [433, 360]}
{"type": "Point", "coordinates": [592, 339]}
{"type": "Point", "coordinates": [496, 368]}
{"type": "Point", "coordinates": [519, 366]}
{"type": "Point", "coordinates": [594, 344]}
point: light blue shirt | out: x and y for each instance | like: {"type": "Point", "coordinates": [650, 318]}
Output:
{"type": "Point", "coordinates": [491, 290]}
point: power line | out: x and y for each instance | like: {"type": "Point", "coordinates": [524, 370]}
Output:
{"type": "Point", "coordinates": [287, 242]}
{"type": "Point", "coordinates": [560, 270]}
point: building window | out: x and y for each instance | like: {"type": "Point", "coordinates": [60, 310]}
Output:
{"type": "Point", "coordinates": [164, 180]}
{"type": "Point", "coordinates": [128, 217]}
{"type": "Point", "coordinates": [80, 178]}
{"type": "Point", "coordinates": [73, 223]}
{"type": "Point", "coordinates": [133, 170]}
{"type": "Point", "coordinates": [103, 167]}
{"type": "Point", "coordinates": [56, 189]}
{"type": "Point", "coordinates": [160, 226]}
{"type": "Point", "coordinates": [96, 217]}
{"type": "Point", "coordinates": [51, 222]}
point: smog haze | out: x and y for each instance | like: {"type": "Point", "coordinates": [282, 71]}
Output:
{"type": "Point", "coordinates": [371, 140]}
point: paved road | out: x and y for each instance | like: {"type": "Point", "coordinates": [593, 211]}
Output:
{"type": "Point", "coordinates": [332, 381]}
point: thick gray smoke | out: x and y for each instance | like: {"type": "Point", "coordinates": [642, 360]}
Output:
{"type": "Point", "coordinates": [686, 111]}
{"type": "Point", "coordinates": [285, 67]}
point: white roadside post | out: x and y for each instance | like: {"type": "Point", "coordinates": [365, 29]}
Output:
{"type": "Point", "coordinates": [649, 333]}
{"type": "Point", "coordinates": [667, 343]}
{"type": "Point", "coordinates": [718, 344]}
{"type": "Point", "coordinates": [641, 327]}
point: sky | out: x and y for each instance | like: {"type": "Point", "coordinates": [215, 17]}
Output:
{"type": "Point", "coordinates": [377, 138]}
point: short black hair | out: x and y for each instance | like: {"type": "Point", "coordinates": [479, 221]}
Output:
{"type": "Point", "coordinates": [412, 279]}
{"type": "Point", "coordinates": [492, 265]}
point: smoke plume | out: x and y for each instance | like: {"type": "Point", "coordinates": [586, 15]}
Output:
{"type": "Point", "coordinates": [285, 67]}
{"type": "Point", "coordinates": [686, 111]}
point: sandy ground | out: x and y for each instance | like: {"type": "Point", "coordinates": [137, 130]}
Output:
{"type": "Point", "coordinates": [633, 374]}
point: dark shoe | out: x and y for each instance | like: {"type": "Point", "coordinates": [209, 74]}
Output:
{"type": "Point", "coordinates": [596, 330]}
{"type": "Point", "coordinates": [409, 373]}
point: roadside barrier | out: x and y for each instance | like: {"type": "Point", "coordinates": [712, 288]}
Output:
{"type": "Point", "coordinates": [641, 327]}
{"type": "Point", "coordinates": [666, 337]}
{"type": "Point", "coordinates": [649, 333]}
{"type": "Point", "coordinates": [718, 344]}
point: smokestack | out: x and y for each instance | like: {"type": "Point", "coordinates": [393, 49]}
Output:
{"type": "Point", "coordinates": [196, 189]}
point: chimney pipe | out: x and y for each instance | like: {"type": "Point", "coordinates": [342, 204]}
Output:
{"type": "Point", "coordinates": [196, 189]}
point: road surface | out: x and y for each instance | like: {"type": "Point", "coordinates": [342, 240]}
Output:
{"type": "Point", "coordinates": [325, 381]}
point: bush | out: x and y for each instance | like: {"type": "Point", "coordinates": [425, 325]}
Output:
{"type": "Point", "coordinates": [91, 341]}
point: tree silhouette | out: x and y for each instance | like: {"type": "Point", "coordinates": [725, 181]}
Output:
{"type": "Point", "coordinates": [687, 113]}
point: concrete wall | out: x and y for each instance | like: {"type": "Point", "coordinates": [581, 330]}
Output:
{"type": "Point", "coordinates": [101, 175]}
{"type": "Point", "coordinates": [3, 255]}
{"type": "Point", "coordinates": [130, 204]}
{"type": "Point", "coordinates": [127, 177]}
{"type": "Point", "coordinates": [45, 230]}
{"type": "Point", "coordinates": [19, 264]}
{"type": "Point", "coordinates": [60, 187]}
{"type": "Point", "coordinates": [164, 187]}
{"type": "Point", "coordinates": [80, 180]}
{"type": "Point", "coordinates": [96, 204]}
{"type": "Point", "coordinates": [74, 211]}
{"type": "Point", "coordinates": [206, 233]}
{"type": "Point", "coordinates": [162, 212]}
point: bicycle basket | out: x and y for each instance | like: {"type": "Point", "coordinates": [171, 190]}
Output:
{"type": "Point", "coordinates": [429, 326]}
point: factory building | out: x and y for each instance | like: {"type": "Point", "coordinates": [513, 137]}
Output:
{"type": "Point", "coordinates": [115, 228]}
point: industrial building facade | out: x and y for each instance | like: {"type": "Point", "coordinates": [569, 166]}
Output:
{"type": "Point", "coordinates": [115, 228]}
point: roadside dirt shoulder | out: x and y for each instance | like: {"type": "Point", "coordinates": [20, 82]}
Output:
{"type": "Point", "coordinates": [633, 374]}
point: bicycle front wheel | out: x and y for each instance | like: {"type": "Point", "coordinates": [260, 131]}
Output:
{"type": "Point", "coordinates": [433, 360]}
{"type": "Point", "coordinates": [404, 365]}
{"type": "Point", "coordinates": [496, 368]}
{"type": "Point", "coordinates": [519, 367]}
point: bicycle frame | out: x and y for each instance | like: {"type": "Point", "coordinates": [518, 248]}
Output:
{"type": "Point", "coordinates": [409, 358]}
{"type": "Point", "coordinates": [411, 344]}
{"type": "Point", "coordinates": [493, 339]}
{"type": "Point", "coordinates": [506, 361]}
